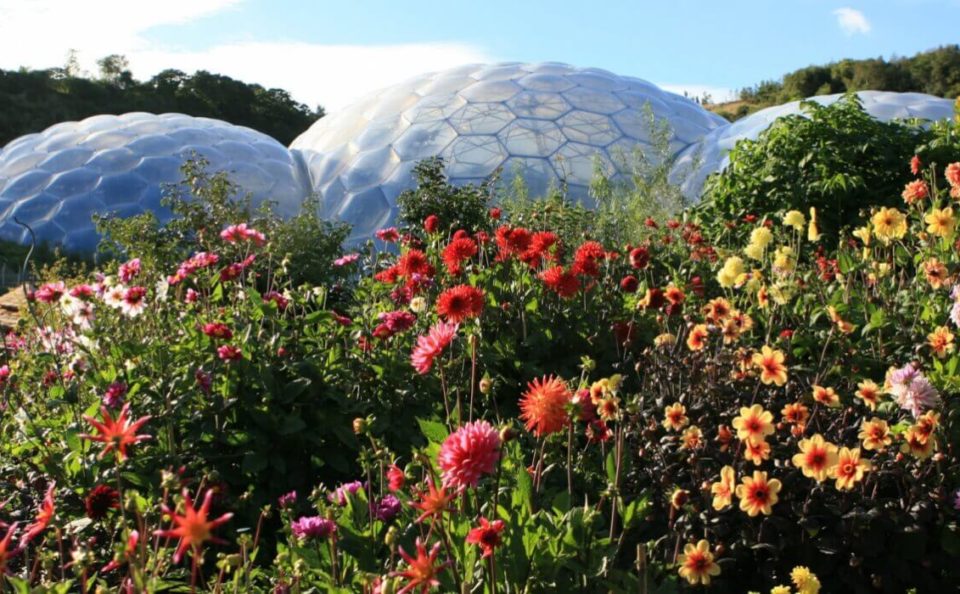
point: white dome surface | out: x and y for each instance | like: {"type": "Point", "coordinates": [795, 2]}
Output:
{"type": "Point", "coordinates": [713, 149]}
{"type": "Point", "coordinates": [56, 180]}
{"type": "Point", "coordinates": [549, 122]}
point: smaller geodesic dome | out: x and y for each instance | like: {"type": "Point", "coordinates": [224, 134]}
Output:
{"type": "Point", "coordinates": [55, 180]}
{"type": "Point", "coordinates": [550, 123]}
{"type": "Point", "coordinates": [695, 163]}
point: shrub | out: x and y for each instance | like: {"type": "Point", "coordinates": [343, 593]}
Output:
{"type": "Point", "coordinates": [456, 207]}
{"type": "Point", "coordinates": [837, 159]}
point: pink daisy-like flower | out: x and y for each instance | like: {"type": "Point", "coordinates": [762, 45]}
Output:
{"type": "Point", "coordinates": [346, 259]}
{"type": "Point", "coordinates": [241, 232]}
{"type": "Point", "coordinates": [134, 301]}
{"type": "Point", "coordinates": [50, 292]}
{"type": "Point", "coordinates": [469, 453]}
{"type": "Point", "coordinates": [128, 270]}
{"type": "Point", "coordinates": [431, 345]}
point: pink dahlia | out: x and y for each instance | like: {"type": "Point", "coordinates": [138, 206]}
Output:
{"type": "Point", "coordinates": [431, 345]}
{"type": "Point", "coordinates": [469, 453]}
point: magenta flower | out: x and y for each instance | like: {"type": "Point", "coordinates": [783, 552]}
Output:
{"type": "Point", "coordinates": [313, 527]}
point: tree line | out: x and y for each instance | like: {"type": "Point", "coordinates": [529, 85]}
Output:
{"type": "Point", "coordinates": [32, 100]}
{"type": "Point", "coordinates": [936, 72]}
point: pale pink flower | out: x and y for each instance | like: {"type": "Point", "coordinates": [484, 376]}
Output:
{"type": "Point", "coordinates": [431, 345]}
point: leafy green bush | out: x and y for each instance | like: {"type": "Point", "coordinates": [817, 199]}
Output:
{"type": "Point", "coordinates": [837, 159]}
{"type": "Point", "coordinates": [202, 204]}
{"type": "Point", "coordinates": [456, 207]}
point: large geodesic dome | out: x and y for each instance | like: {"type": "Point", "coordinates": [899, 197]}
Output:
{"type": "Point", "coordinates": [710, 155]}
{"type": "Point", "coordinates": [549, 123]}
{"type": "Point", "coordinates": [56, 179]}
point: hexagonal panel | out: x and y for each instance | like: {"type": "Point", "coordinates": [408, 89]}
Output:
{"type": "Point", "coordinates": [57, 179]}
{"type": "Point", "coordinates": [539, 105]}
{"type": "Point", "coordinates": [481, 118]}
{"type": "Point", "coordinates": [531, 138]}
{"type": "Point", "coordinates": [474, 156]}
{"type": "Point", "coordinates": [588, 128]}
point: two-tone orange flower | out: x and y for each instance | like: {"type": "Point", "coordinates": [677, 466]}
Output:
{"type": "Point", "coordinates": [849, 469]}
{"type": "Point", "coordinates": [826, 396]}
{"type": "Point", "coordinates": [940, 342]}
{"type": "Point", "coordinates": [816, 457]}
{"type": "Point", "coordinates": [193, 527]}
{"type": "Point", "coordinates": [722, 490]}
{"type": "Point", "coordinates": [772, 369]}
{"type": "Point", "coordinates": [697, 338]}
{"type": "Point", "coordinates": [795, 413]}
{"type": "Point", "coordinates": [691, 439]}
{"type": "Point", "coordinates": [758, 494]}
{"type": "Point", "coordinates": [869, 392]}
{"type": "Point", "coordinates": [753, 424]}
{"type": "Point", "coordinates": [875, 434]}
{"type": "Point", "coordinates": [696, 563]}
{"type": "Point", "coordinates": [675, 417]}
{"type": "Point", "coordinates": [917, 444]}
{"type": "Point", "coordinates": [756, 451]}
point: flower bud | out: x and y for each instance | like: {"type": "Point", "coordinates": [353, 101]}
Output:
{"type": "Point", "coordinates": [486, 384]}
{"type": "Point", "coordinates": [359, 425]}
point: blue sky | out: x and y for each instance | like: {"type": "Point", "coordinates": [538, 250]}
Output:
{"type": "Point", "coordinates": [332, 52]}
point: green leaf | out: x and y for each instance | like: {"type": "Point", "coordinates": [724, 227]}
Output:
{"type": "Point", "coordinates": [434, 431]}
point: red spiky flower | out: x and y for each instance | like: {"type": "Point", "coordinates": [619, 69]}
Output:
{"type": "Point", "coordinates": [116, 433]}
{"type": "Point", "coordinates": [192, 527]}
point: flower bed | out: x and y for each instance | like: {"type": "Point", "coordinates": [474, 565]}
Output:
{"type": "Point", "coordinates": [498, 409]}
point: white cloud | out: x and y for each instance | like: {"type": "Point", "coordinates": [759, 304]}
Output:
{"type": "Point", "coordinates": [329, 75]}
{"type": "Point", "coordinates": [39, 34]}
{"type": "Point", "coordinates": [852, 21]}
{"type": "Point", "coordinates": [717, 94]}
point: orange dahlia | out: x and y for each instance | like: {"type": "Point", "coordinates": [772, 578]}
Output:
{"type": "Point", "coordinates": [772, 369]}
{"type": "Point", "coordinates": [875, 434]}
{"type": "Point", "coordinates": [795, 413]}
{"type": "Point", "coordinates": [869, 392]}
{"type": "Point", "coordinates": [460, 303]}
{"type": "Point", "coordinates": [756, 451]}
{"type": "Point", "coordinates": [697, 339]}
{"type": "Point", "coordinates": [849, 469]}
{"type": "Point", "coordinates": [543, 407]}
{"type": "Point", "coordinates": [917, 445]}
{"type": "Point", "coordinates": [753, 424]}
{"type": "Point", "coordinates": [696, 563]}
{"type": "Point", "coordinates": [826, 396]}
{"type": "Point", "coordinates": [723, 489]}
{"type": "Point", "coordinates": [675, 417]}
{"type": "Point", "coordinates": [816, 457]}
{"type": "Point", "coordinates": [757, 494]}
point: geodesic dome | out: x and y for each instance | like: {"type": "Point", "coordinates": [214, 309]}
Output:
{"type": "Point", "coordinates": [547, 122]}
{"type": "Point", "coordinates": [712, 151]}
{"type": "Point", "coordinates": [56, 180]}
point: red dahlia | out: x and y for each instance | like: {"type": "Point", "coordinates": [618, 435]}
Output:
{"type": "Point", "coordinates": [457, 252]}
{"type": "Point", "coordinates": [561, 282]}
{"type": "Point", "coordinates": [460, 303]}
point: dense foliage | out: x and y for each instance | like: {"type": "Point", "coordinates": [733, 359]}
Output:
{"type": "Point", "coordinates": [835, 158]}
{"type": "Point", "coordinates": [32, 100]}
{"type": "Point", "coordinates": [506, 407]}
{"type": "Point", "coordinates": [936, 72]}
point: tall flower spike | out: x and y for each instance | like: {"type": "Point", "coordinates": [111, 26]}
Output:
{"type": "Point", "coordinates": [192, 527]}
{"type": "Point", "coordinates": [117, 433]}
